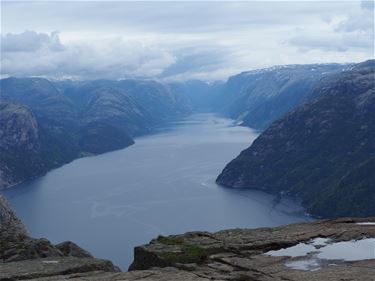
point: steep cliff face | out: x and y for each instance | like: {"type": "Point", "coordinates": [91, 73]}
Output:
{"type": "Point", "coordinates": [322, 151]}
{"type": "Point", "coordinates": [18, 127]}
{"type": "Point", "coordinates": [29, 146]}
{"type": "Point", "coordinates": [20, 144]}
{"type": "Point", "coordinates": [260, 97]}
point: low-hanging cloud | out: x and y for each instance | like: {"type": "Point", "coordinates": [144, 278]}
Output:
{"type": "Point", "coordinates": [40, 54]}
{"type": "Point", "coordinates": [179, 40]}
{"type": "Point", "coordinates": [30, 41]}
{"type": "Point", "coordinates": [362, 21]}
{"type": "Point", "coordinates": [351, 31]}
{"type": "Point", "coordinates": [332, 42]}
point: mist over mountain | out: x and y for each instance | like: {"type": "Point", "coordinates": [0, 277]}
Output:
{"type": "Point", "coordinates": [202, 96]}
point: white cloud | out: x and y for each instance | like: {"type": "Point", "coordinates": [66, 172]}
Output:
{"type": "Point", "coordinates": [179, 40]}
{"type": "Point", "coordinates": [113, 58]}
{"type": "Point", "coordinates": [361, 21]}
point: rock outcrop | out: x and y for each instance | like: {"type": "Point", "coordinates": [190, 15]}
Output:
{"type": "Point", "coordinates": [20, 143]}
{"type": "Point", "coordinates": [237, 254]}
{"type": "Point", "coordinates": [23, 257]}
{"type": "Point", "coordinates": [9, 223]}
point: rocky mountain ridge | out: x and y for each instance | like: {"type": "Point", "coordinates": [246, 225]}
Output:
{"type": "Point", "coordinates": [259, 97]}
{"type": "Point", "coordinates": [323, 151]}
{"type": "Point", "coordinates": [71, 119]}
{"type": "Point", "coordinates": [80, 118]}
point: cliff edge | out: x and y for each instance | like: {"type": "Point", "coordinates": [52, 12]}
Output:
{"type": "Point", "coordinates": [304, 251]}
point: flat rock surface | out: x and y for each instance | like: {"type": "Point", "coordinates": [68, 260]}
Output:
{"type": "Point", "coordinates": [158, 274]}
{"type": "Point", "coordinates": [239, 254]}
{"type": "Point", "coordinates": [48, 267]}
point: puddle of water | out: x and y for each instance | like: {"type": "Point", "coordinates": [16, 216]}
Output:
{"type": "Point", "coordinates": [365, 223]}
{"type": "Point", "coordinates": [321, 252]}
{"type": "Point", "coordinates": [301, 249]}
{"type": "Point", "coordinates": [349, 250]}
{"type": "Point", "coordinates": [318, 242]}
{"type": "Point", "coordinates": [306, 264]}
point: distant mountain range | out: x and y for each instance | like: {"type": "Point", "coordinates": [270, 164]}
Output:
{"type": "Point", "coordinates": [259, 97]}
{"type": "Point", "coordinates": [322, 152]}
{"type": "Point", "coordinates": [317, 122]}
{"type": "Point", "coordinates": [45, 124]}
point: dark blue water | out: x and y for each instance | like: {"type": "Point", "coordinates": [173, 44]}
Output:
{"type": "Point", "coordinates": [164, 184]}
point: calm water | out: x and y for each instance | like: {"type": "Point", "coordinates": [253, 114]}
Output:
{"type": "Point", "coordinates": [321, 252]}
{"type": "Point", "coordinates": [164, 184]}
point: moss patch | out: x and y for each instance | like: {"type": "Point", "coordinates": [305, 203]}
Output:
{"type": "Point", "coordinates": [170, 240]}
{"type": "Point", "coordinates": [188, 254]}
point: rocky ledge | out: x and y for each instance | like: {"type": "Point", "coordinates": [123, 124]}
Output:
{"type": "Point", "coordinates": [240, 254]}
{"type": "Point", "coordinates": [237, 254]}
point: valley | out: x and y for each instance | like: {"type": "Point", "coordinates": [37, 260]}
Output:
{"type": "Point", "coordinates": [187, 140]}
{"type": "Point", "coordinates": [163, 184]}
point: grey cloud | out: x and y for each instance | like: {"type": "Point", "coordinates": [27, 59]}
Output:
{"type": "Point", "coordinates": [30, 41]}
{"type": "Point", "coordinates": [178, 40]}
{"type": "Point", "coordinates": [109, 59]}
{"type": "Point", "coordinates": [351, 24]}
{"type": "Point", "coordinates": [307, 43]}
{"type": "Point", "coordinates": [355, 31]}
{"type": "Point", "coordinates": [192, 59]}
{"type": "Point", "coordinates": [368, 5]}
{"type": "Point", "coordinates": [362, 21]}
{"type": "Point", "coordinates": [163, 16]}
{"type": "Point", "coordinates": [332, 42]}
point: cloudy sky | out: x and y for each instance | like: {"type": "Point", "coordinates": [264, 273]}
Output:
{"type": "Point", "coordinates": [178, 40]}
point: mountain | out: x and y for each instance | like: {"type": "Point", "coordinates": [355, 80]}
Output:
{"type": "Point", "coordinates": [157, 99]}
{"type": "Point", "coordinates": [322, 152]}
{"type": "Point", "coordinates": [29, 146]}
{"type": "Point", "coordinates": [46, 124]}
{"type": "Point", "coordinates": [200, 95]}
{"type": "Point", "coordinates": [133, 105]}
{"type": "Point", "coordinates": [259, 97]}
{"type": "Point", "coordinates": [41, 97]}
{"type": "Point", "coordinates": [19, 144]}
{"type": "Point", "coordinates": [98, 138]}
